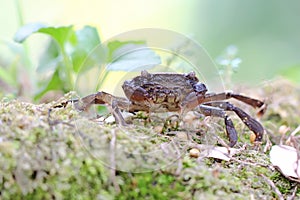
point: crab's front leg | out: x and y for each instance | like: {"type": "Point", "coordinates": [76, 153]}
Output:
{"type": "Point", "coordinates": [115, 103]}
{"type": "Point", "coordinates": [250, 122]}
{"type": "Point", "coordinates": [218, 112]}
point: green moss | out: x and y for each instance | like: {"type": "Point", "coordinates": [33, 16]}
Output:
{"type": "Point", "coordinates": [44, 161]}
{"type": "Point", "coordinates": [284, 185]}
{"type": "Point", "coordinates": [152, 185]}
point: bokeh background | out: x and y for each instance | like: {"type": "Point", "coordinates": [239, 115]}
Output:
{"type": "Point", "coordinates": [266, 33]}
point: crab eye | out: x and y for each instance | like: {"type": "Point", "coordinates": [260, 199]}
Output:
{"type": "Point", "coordinates": [145, 73]}
{"type": "Point", "coordinates": [200, 88]}
{"type": "Point", "coordinates": [192, 77]}
{"type": "Point", "coordinates": [191, 74]}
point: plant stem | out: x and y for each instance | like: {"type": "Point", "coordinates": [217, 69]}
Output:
{"type": "Point", "coordinates": [68, 70]}
{"type": "Point", "coordinates": [28, 64]}
{"type": "Point", "coordinates": [228, 75]}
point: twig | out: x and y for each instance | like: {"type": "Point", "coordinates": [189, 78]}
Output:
{"type": "Point", "coordinates": [268, 145]}
{"type": "Point", "coordinates": [292, 135]}
{"type": "Point", "coordinates": [295, 131]}
{"type": "Point", "coordinates": [293, 142]}
{"type": "Point", "coordinates": [294, 194]}
{"type": "Point", "coordinates": [273, 186]}
{"type": "Point", "coordinates": [249, 163]}
{"type": "Point", "coordinates": [113, 162]}
{"type": "Point", "coordinates": [179, 165]}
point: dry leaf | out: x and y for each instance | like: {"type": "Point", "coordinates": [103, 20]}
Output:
{"type": "Point", "coordinates": [222, 153]}
{"type": "Point", "coordinates": [286, 159]}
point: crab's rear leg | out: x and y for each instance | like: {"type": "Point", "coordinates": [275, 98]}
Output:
{"type": "Point", "coordinates": [218, 112]}
{"type": "Point", "coordinates": [115, 103]}
{"type": "Point", "coordinates": [250, 122]}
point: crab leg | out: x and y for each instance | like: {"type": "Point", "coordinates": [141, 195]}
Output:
{"type": "Point", "coordinates": [98, 98]}
{"type": "Point", "coordinates": [218, 112]}
{"type": "Point", "coordinates": [250, 122]}
{"type": "Point", "coordinates": [227, 95]}
{"type": "Point", "coordinates": [104, 98]}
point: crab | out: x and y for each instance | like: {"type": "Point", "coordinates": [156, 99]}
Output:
{"type": "Point", "coordinates": [181, 93]}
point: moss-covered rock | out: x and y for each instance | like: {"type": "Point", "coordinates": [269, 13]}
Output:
{"type": "Point", "coordinates": [50, 152]}
{"type": "Point", "coordinates": [41, 158]}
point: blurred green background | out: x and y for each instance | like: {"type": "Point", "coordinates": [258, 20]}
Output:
{"type": "Point", "coordinates": [266, 33]}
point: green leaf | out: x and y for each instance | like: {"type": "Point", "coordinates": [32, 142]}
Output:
{"type": "Point", "coordinates": [131, 56]}
{"type": "Point", "coordinates": [88, 38]}
{"type": "Point", "coordinates": [114, 45]}
{"type": "Point", "coordinates": [55, 83]}
{"type": "Point", "coordinates": [66, 53]}
{"type": "Point", "coordinates": [50, 59]}
{"type": "Point", "coordinates": [85, 51]}
{"type": "Point", "coordinates": [62, 34]}
{"type": "Point", "coordinates": [58, 58]}
{"type": "Point", "coordinates": [25, 31]}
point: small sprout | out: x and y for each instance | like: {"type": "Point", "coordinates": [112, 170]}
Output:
{"type": "Point", "coordinates": [194, 153]}
{"type": "Point", "coordinates": [229, 63]}
{"type": "Point", "coordinates": [283, 129]}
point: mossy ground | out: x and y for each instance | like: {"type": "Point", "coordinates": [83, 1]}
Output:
{"type": "Point", "coordinates": [65, 155]}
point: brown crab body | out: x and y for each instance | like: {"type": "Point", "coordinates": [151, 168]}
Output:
{"type": "Point", "coordinates": [162, 92]}
{"type": "Point", "coordinates": [172, 92]}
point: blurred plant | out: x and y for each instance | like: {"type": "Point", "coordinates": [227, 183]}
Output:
{"type": "Point", "coordinates": [229, 63]}
{"type": "Point", "coordinates": [9, 75]}
{"type": "Point", "coordinates": [16, 71]}
{"type": "Point", "coordinates": [71, 52]}
{"type": "Point", "coordinates": [63, 56]}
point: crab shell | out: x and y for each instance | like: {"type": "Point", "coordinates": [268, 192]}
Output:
{"type": "Point", "coordinates": [163, 91]}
